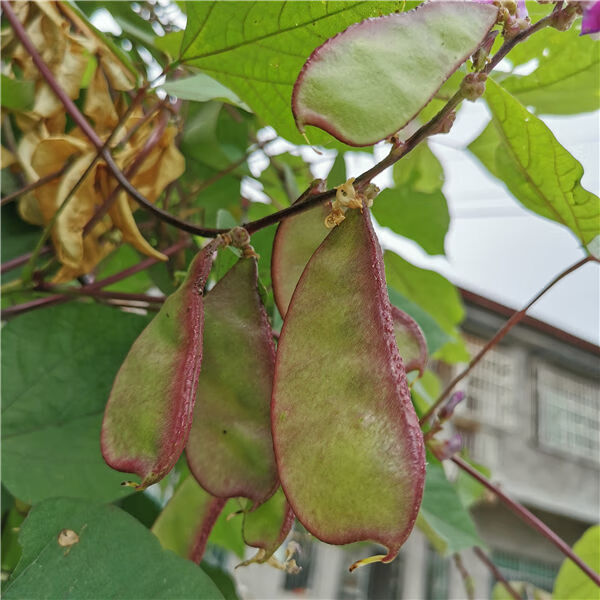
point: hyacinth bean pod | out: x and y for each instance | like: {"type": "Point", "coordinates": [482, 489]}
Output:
{"type": "Point", "coordinates": [411, 341]}
{"type": "Point", "coordinates": [369, 81]}
{"type": "Point", "coordinates": [149, 412]}
{"type": "Point", "coordinates": [174, 528]}
{"type": "Point", "coordinates": [267, 526]}
{"type": "Point", "coordinates": [230, 449]}
{"type": "Point", "coordinates": [349, 449]}
{"type": "Point", "coordinates": [296, 240]}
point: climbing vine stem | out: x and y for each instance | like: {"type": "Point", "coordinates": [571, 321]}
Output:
{"type": "Point", "coordinates": [529, 518]}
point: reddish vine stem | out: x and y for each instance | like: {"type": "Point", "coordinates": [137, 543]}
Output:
{"type": "Point", "coordinates": [18, 309]}
{"type": "Point", "coordinates": [13, 263]}
{"type": "Point", "coordinates": [465, 575]}
{"type": "Point", "coordinates": [101, 294]}
{"type": "Point", "coordinates": [516, 317]}
{"type": "Point", "coordinates": [33, 186]}
{"type": "Point", "coordinates": [529, 518]}
{"type": "Point", "coordinates": [496, 573]}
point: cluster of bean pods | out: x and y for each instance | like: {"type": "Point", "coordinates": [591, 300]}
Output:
{"type": "Point", "coordinates": [321, 428]}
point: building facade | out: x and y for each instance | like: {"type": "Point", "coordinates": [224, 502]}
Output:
{"type": "Point", "coordinates": [532, 416]}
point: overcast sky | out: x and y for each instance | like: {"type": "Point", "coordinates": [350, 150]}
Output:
{"type": "Point", "coordinates": [497, 248]}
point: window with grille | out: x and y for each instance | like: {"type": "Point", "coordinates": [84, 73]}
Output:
{"type": "Point", "coordinates": [379, 582]}
{"type": "Point", "coordinates": [480, 445]}
{"type": "Point", "coordinates": [568, 413]}
{"type": "Point", "coordinates": [489, 387]}
{"type": "Point", "coordinates": [519, 568]}
{"type": "Point", "coordinates": [438, 571]}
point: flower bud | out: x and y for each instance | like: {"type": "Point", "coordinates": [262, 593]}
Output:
{"type": "Point", "coordinates": [563, 19]}
{"type": "Point", "coordinates": [448, 409]}
{"type": "Point", "coordinates": [447, 448]}
{"type": "Point", "coordinates": [480, 56]}
{"type": "Point", "coordinates": [473, 86]}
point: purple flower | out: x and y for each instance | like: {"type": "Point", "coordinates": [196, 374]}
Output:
{"type": "Point", "coordinates": [591, 18]}
{"type": "Point", "coordinates": [522, 10]}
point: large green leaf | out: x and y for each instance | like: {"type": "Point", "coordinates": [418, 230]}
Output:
{"type": "Point", "coordinates": [571, 582]}
{"type": "Point", "coordinates": [416, 208]}
{"type": "Point", "coordinates": [257, 49]}
{"type": "Point", "coordinates": [430, 290]}
{"type": "Point", "coordinates": [58, 366]}
{"type": "Point", "coordinates": [213, 137]}
{"type": "Point", "coordinates": [520, 149]}
{"type": "Point", "coordinates": [443, 518]}
{"type": "Point", "coordinates": [567, 78]}
{"type": "Point", "coordinates": [113, 556]}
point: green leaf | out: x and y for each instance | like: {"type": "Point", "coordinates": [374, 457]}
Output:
{"type": "Point", "coordinates": [443, 518]}
{"type": "Point", "coordinates": [114, 556]}
{"type": "Point", "coordinates": [430, 290]}
{"type": "Point", "coordinates": [571, 582]}
{"type": "Point", "coordinates": [520, 149]}
{"type": "Point", "coordinates": [170, 43]}
{"type": "Point", "coordinates": [213, 137]}
{"type": "Point", "coordinates": [416, 208]}
{"type": "Point", "coordinates": [435, 336]}
{"type": "Point", "coordinates": [223, 193]}
{"type": "Point", "coordinates": [455, 351]}
{"type": "Point", "coordinates": [133, 25]}
{"type": "Point", "coordinates": [285, 178]}
{"type": "Point", "coordinates": [201, 88]}
{"type": "Point", "coordinates": [567, 79]}
{"type": "Point", "coordinates": [16, 94]}
{"type": "Point", "coordinates": [425, 391]}
{"type": "Point", "coordinates": [222, 579]}
{"type": "Point", "coordinates": [143, 506]}
{"type": "Point", "coordinates": [337, 175]}
{"type": "Point", "coordinates": [54, 392]}
{"type": "Point", "coordinates": [469, 489]}
{"type": "Point", "coordinates": [260, 51]}
{"type": "Point", "coordinates": [11, 549]}
{"type": "Point", "coordinates": [17, 237]}
{"type": "Point", "coordinates": [125, 256]}
{"type": "Point", "coordinates": [368, 82]}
